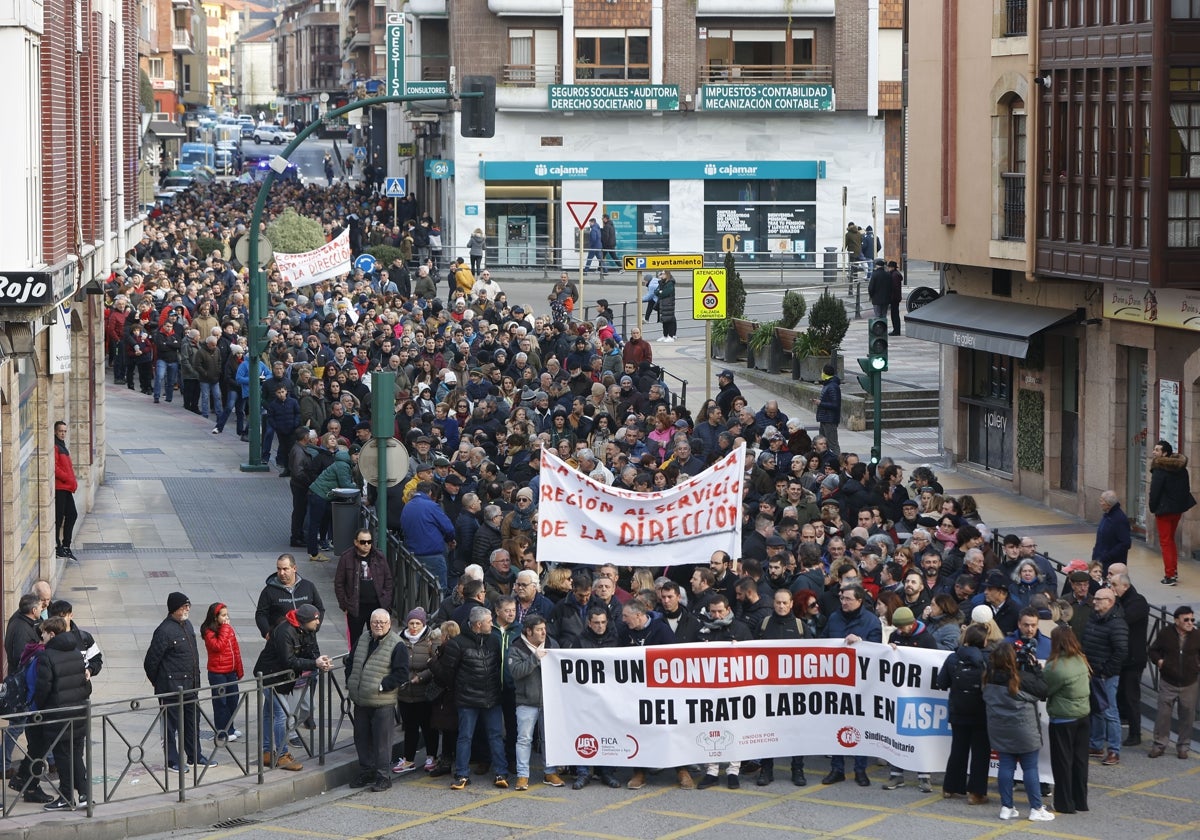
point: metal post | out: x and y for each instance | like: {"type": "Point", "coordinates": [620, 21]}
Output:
{"type": "Point", "coordinates": [180, 732]}
{"type": "Point", "coordinates": [857, 300]}
{"type": "Point", "coordinates": [257, 331]}
{"type": "Point", "coordinates": [579, 303]}
{"type": "Point", "coordinates": [877, 423]}
{"type": "Point", "coordinates": [637, 301]}
{"type": "Point", "coordinates": [707, 360]}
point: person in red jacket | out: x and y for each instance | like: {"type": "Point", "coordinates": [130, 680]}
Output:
{"type": "Point", "coordinates": [224, 669]}
{"type": "Point", "coordinates": [65, 485]}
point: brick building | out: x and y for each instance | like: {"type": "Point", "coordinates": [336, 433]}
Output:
{"type": "Point", "coordinates": [1052, 142]}
{"type": "Point", "coordinates": [70, 183]}
{"type": "Point", "coordinates": [694, 124]}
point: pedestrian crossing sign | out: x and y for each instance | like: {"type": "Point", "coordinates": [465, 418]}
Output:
{"type": "Point", "coordinates": [395, 187]}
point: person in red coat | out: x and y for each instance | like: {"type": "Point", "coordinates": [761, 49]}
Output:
{"type": "Point", "coordinates": [65, 485]}
{"type": "Point", "coordinates": [224, 669]}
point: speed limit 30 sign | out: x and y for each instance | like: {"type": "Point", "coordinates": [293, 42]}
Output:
{"type": "Point", "coordinates": [710, 300]}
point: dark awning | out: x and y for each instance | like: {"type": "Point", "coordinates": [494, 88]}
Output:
{"type": "Point", "coordinates": [994, 326]}
{"type": "Point", "coordinates": [165, 129]}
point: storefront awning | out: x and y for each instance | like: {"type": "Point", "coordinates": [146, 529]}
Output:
{"type": "Point", "coordinates": [993, 326]}
{"type": "Point", "coordinates": [165, 130]}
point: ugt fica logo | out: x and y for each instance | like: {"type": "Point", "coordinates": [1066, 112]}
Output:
{"type": "Point", "coordinates": [848, 736]}
{"type": "Point", "coordinates": [540, 169]}
{"type": "Point", "coordinates": [587, 746]}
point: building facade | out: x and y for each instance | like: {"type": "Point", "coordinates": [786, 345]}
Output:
{"type": "Point", "coordinates": [1068, 333]}
{"type": "Point", "coordinates": [760, 126]}
{"type": "Point", "coordinates": [70, 179]}
{"type": "Point", "coordinates": [308, 59]}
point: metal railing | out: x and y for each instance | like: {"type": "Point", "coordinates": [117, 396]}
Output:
{"type": "Point", "coordinates": [415, 585]}
{"type": "Point", "coordinates": [1013, 186]}
{"type": "Point", "coordinates": [126, 752]}
{"type": "Point", "coordinates": [530, 75]}
{"type": "Point", "coordinates": [1016, 17]}
{"type": "Point", "coordinates": [721, 74]}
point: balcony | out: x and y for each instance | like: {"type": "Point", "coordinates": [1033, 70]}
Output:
{"type": "Point", "coordinates": [427, 8]}
{"type": "Point", "coordinates": [181, 4]}
{"type": "Point", "coordinates": [552, 8]}
{"type": "Point", "coordinates": [181, 41]}
{"type": "Point", "coordinates": [531, 75]}
{"type": "Point", "coordinates": [724, 74]}
{"type": "Point", "coordinates": [1013, 186]}
{"type": "Point", "coordinates": [765, 8]}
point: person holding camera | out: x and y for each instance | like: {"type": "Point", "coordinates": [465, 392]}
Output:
{"type": "Point", "coordinates": [1011, 691]}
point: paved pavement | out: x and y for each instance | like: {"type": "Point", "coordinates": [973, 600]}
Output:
{"type": "Point", "coordinates": [176, 513]}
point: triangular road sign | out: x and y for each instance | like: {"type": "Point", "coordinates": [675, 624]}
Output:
{"type": "Point", "coordinates": [709, 286]}
{"type": "Point", "coordinates": [581, 211]}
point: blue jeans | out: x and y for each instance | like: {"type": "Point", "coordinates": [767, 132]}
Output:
{"type": "Point", "coordinates": [168, 371]}
{"type": "Point", "coordinates": [493, 724]}
{"type": "Point", "coordinates": [275, 711]}
{"type": "Point", "coordinates": [233, 405]}
{"type": "Point", "coordinates": [527, 720]}
{"type": "Point", "coordinates": [1106, 726]}
{"type": "Point", "coordinates": [436, 564]}
{"type": "Point", "coordinates": [224, 700]}
{"type": "Point", "coordinates": [1029, 777]}
{"type": "Point", "coordinates": [317, 508]}
{"type": "Point", "coordinates": [837, 764]}
{"type": "Point", "coordinates": [210, 392]}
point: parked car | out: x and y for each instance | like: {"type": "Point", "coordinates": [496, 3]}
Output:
{"type": "Point", "coordinates": [273, 134]}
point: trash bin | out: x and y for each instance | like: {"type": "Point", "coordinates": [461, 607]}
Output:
{"type": "Point", "coordinates": [346, 507]}
{"type": "Point", "coordinates": [830, 265]}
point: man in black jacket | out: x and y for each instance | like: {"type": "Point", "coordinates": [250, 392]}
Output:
{"type": "Point", "coordinates": [470, 666]}
{"type": "Point", "coordinates": [721, 626]}
{"type": "Point", "coordinates": [172, 665]}
{"type": "Point", "coordinates": [1105, 643]}
{"type": "Point", "coordinates": [63, 681]}
{"type": "Point", "coordinates": [285, 591]}
{"type": "Point", "coordinates": [1136, 611]}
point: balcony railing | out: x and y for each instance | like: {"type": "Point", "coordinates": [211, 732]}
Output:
{"type": "Point", "coordinates": [1014, 207]}
{"type": "Point", "coordinates": [724, 74]}
{"type": "Point", "coordinates": [181, 39]}
{"type": "Point", "coordinates": [1016, 17]}
{"type": "Point", "coordinates": [531, 75]}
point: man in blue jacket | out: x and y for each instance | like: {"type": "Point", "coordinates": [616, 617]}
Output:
{"type": "Point", "coordinates": [428, 532]}
{"type": "Point", "coordinates": [1113, 536]}
{"type": "Point", "coordinates": [829, 407]}
{"type": "Point", "coordinates": [854, 624]}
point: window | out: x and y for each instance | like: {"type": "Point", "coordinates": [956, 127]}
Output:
{"type": "Point", "coordinates": [532, 57]}
{"type": "Point", "coordinates": [155, 68]}
{"type": "Point", "coordinates": [608, 54]}
{"type": "Point", "coordinates": [1184, 9]}
{"type": "Point", "coordinates": [758, 55]}
{"type": "Point", "coordinates": [1012, 175]}
{"type": "Point", "coordinates": [187, 78]}
{"type": "Point", "coordinates": [1183, 159]}
{"type": "Point", "coordinates": [1015, 13]}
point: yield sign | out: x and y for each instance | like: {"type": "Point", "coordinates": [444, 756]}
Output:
{"type": "Point", "coordinates": [581, 211]}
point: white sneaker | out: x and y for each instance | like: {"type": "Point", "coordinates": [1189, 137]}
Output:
{"type": "Point", "coordinates": [1009, 813]}
{"type": "Point", "coordinates": [1041, 815]}
{"type": "Point", "coordinates": [403, 766]}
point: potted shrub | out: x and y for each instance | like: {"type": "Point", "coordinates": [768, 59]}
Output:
{"type": "Point", "coordinates": [758, 348]}
{"type": "Point", "coordinates": [794, 307]}
{"type": "Point", "coordinates": [720, 335]}
{"type": "Point", "coordinates": [819, 344]}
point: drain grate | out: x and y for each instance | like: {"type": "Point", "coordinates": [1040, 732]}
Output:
{"type": "Point", "coordinates": [147, 451]}
{"type": "Point", "coordinates": [237, 822]}
{"type": "Point", "coordinates": [108, 546]}
{"type": "Point", "coordinates": [159, 574]}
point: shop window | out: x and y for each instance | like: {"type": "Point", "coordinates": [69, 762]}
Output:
{"type": "Point", "coordinates": [612, 54]}
{"type": "Point", "coordinates": [762, 55]}
{"type": "Point", "coordinates": [987, 399]}
{"type": "Point", "coordinates": [640, 213]}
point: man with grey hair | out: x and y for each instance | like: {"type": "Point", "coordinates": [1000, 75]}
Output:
{"type": "Point", "coordinates": [530, 600]}
{"type": "Point", "coordinates": [1137, 618]}
{"type": "Point", "coordinates": [470, 665]}
{"type": "Point", "coordinates": [590, 466]}
{"type": "Point", "coordinates": [1113, 535]}
{"type": "Point", "coordinates": [375, 670]}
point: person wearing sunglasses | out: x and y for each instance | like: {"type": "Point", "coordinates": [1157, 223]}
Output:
{"type": "Point", "coordinates": [362, 583]}
{"type": "Point", "coordinates": [1176, 651]}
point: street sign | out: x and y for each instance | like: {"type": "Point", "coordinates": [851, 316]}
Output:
{"type": "Point", "coordinates": [471, 210]}
{"type": "Point", "coordinates": [395, 187]}
{"type": "Point", "coordinates": [242, 250]}
{"type": "Point", "coordinates": [360, 153]}
{"type": "Point", "coordinates": [395, 54]}
{"type": "Point", "coordinates": [581, 211]}
{"type": "Point", "coordinates": [439, 168]}
{"type": "Point", "coordinates": [663, 262]}
{"type": "Point", "coordinates": [397, 461]}
{"type": "Point", "coordinates": [710, 301]}
{"type": "Point", "coordinates": [365, 263]}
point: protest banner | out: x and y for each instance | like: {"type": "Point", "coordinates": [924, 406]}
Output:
{"type": "Point", "coordinates": [700, 703]}
{"type": "Point", "coordinates": [330, 260]}
{"type": "Point", "coordinates": [591, 523]}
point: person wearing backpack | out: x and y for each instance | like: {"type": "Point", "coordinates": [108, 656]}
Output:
{"type": "Point", "coordinates": [970, 750]}
{"type": "Point", "coordinates": [63, 682]}
{"type": "Point", "coordinates": [20, 633]}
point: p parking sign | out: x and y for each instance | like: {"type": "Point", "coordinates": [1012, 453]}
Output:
{"type": "Point", "coordinates": [710, 298]}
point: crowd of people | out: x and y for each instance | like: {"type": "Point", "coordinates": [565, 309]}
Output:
{"type": "Point", "coordinates": [832, 548]}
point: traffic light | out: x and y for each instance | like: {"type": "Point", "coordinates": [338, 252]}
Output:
{"type": "Point", "coordinates": [877, 343]}
{"type": "Point", "coordinates": [868, 377]}
{"type": "Point", "coordinates": [479, 112]}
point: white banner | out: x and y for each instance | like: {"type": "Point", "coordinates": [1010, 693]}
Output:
{"type": "Point", "coordinates": [585, 521]}
{"type": "Point", "coordinates": [330, 260]}
{"type": "Point", "coordinates": [699, 703]}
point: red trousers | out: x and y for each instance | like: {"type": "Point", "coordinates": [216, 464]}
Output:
{"type": "Point", "coordinates": [1167, 524]}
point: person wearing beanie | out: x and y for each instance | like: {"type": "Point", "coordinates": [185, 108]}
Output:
{"type": "Point", "coordinates": [172, 664]}
{"type": "Point", "coordinates": [291, 650]}
{"type": "Point", "coordinates": [908, 632]}
{"type": "Point", "coordinates": [829, 408]}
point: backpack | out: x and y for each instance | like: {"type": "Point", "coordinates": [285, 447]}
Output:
{"type": "Point", "coordinates": [967, 678]}
{"type": "Point", "coordinates": [16, 691]}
